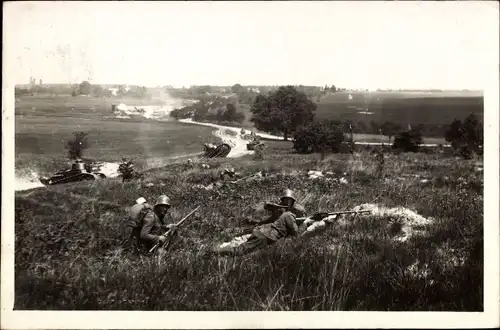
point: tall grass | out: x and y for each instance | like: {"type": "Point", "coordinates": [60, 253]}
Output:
{"type": "Point", "coordinates": [71, 251]}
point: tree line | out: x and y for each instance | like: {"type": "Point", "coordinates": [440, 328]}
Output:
{"type": "Point", "coordinates": [291, 113]}
{"type": "Point", "coordinates": [84, 88]}
{"type": "Point", "coordinates": [218, 111]}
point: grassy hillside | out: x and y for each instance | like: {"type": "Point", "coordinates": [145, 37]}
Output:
{"type": "Point", "coordinates": [71, 250]}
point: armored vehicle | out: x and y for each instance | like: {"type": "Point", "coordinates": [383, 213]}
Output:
{"type": "Point", "coordinates": [221, 150]}
{"type": "Point", "coordinates": [78, 172]}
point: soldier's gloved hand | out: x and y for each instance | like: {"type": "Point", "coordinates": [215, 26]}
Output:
{"type": "Point", "coordinates": [162, 239]}
{"type": "Point", "coordinates": [330, 218]}
{"type": "Point", "coordinates": [172, 227]}
{"type": "Point", "coordinates": [308, 221]}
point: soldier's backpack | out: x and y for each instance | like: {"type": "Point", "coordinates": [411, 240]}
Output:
{"type": "Point", "coordinates": [136, 217]}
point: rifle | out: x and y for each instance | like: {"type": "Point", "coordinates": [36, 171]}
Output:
{"type": "Point", "coordinates": [321, 215]}
{"type": "Point", "coordinates": [168, 231]}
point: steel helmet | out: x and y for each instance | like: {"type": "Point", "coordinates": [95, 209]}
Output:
{"type": "Point", "coordinates": [163, 200]}
{"type": "Point", "coordinates": [288, 194]}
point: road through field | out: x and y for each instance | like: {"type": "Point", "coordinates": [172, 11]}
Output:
{"type": "Point", "coordinates": [241, 143]}
{"type": "Point", "coordinates": [237, 143]}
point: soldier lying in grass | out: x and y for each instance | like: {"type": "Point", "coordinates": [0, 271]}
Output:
{"type": "Point", "coordinates": [280, 224]}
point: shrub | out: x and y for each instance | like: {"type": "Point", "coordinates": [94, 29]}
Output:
{"type": "Point", "coordinates": [318, 137]}
{"type": "Point", "coordinates": [466, 138]}
{"type": "Point", "coordinates": [126, 170]}
{"type": "Point", "coordinates": [408, 140]}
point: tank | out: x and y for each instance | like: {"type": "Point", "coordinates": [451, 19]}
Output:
{"type": "Point", "coordinates": [212, 151]}
{"type": "Point", "coordinates": [254, 143]}
{"type": "Point", "coordinates": [78, 172]}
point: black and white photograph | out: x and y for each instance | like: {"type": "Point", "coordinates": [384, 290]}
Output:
{"type": "Point", "coordinates": [271, 156]}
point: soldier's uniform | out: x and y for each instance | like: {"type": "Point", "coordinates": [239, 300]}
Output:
{"type": "Point", "coordinates": [151, 226]}
{"type": "Point", "coordinates": [275, 227]}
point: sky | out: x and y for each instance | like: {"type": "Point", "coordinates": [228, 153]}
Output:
{"type": "Point", "coordinates": [447, 45]}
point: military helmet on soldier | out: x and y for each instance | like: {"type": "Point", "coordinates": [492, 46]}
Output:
{"type": "Point", "coordinates": [287, 195]}
{"type": "Point", "coordinates": [163, 200]}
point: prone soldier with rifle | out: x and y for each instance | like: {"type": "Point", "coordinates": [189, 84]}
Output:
{"type": "Point", "coordinates": [284, 222]}
{"type": "Point", "coordinates": [281, 223]}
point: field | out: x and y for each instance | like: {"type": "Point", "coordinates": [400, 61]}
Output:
{"type": "Point", "coordinates": [42, 133]}
{"type": "Point", "coordinates": [72, 250]}
{"type": "Point", "coordinates": [401, 108]}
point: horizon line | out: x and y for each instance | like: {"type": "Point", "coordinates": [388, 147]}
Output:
{"type": "Point", "coordinates": [261, 85]}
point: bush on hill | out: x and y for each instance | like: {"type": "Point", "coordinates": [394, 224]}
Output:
{"type": "Point", "coordinates": [466, 138]}
{"type": "Point", "coordinates": [318, 137]}
{"type": "Point", "coordinates": [408, 140]}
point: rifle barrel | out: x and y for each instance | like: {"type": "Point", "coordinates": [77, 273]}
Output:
{"type": "Point", "coordinates": [177, 224]}
{"type": "Point", "coordinates": [301, 219]}
{"type": "Point", "coordinates": [347, 212]}
{"type": "Point", "coordinates": [187, 216]}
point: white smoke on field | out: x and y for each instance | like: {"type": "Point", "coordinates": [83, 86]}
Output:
{"type": "Point", "coordinates": [27, 180]}
{"type": "Point", "coordinates": [162, 104]}
{"type": "Point", "coordinates": [110, 170]}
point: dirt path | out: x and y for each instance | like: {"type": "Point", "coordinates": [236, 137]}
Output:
{"type": "Point", "coordinates": [237, 143]}
{"type": "Point", "coordinates": [238, 140]}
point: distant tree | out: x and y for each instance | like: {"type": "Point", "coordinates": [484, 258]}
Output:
{"type": "Point", "coordinates": [85, 88]}
{"type": "Point", "coordinates": [466, 137]}
{"type": "Point", "coordinates": [390, 129]}
{"type": "Point", "coordinates": [333, 89]}
{"type": "Point", "coordinates": [374, 126]}
{"type": "Point", "coordinates": [97, 91]}
{"type": "Point", "coordinates": [231, 111]}
{"type": "Point", "coordinates": [237, 88]}
{"type": "Point", "coordinates": [77, 145]}
{"type": "Point", "coordinates": [282, 111]}
{"type": "Point", "coordinates": [264, 90]}
{"type": "Point", "coordinates": [239, 117]}
{"type": "Point", "coordinates": [408, 140]}
{"type": "Point", "coordinates": [318, 136]}
{"type": "Point", "coordinates": [361, 127]}
{"type": "Point", "coordinates": [454, 134]}
{"type": "Point", "coordinates": [121, 90]}
{"type": "Point", "coordinates": [474, 132]}
{"type": "Point", "coordinates": [143, 91]}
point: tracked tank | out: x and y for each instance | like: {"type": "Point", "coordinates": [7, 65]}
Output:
{"type": "Point", "coordinates": [254, 144]}
{"type": "Point", "coordinates": [78, 172]}
{"type": "Point", "coordinates": [212, 151]}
